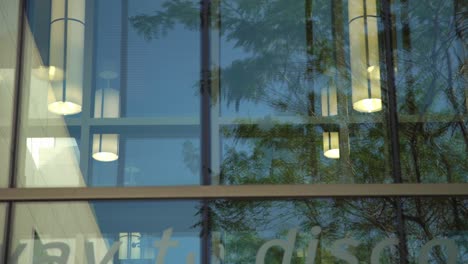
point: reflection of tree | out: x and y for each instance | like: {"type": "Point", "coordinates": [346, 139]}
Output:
{"type": "Point", "coordinates": [159, 23]}
{"type": "Point", "coordinates": [432, 57]}
{"type": "Point", "coordinates": [280, 63]}
{"type": "Point", "coordinates": [276, 155]}
{"type": "Point", "coordinates": [249, 224]}
{"type": "Point", "coordinates": [431, 218]}
{"type": "Point", "coordinates": [284, 65]}
{"type": "Point", "coordinates": [366, 221]}
{"type": "Point", "coordinates": [432, 79]}
{"type": "Point", "coordinates": [275, 66]}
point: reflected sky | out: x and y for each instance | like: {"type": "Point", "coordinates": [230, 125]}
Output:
{"type": "Point", "coordinates": [239, 229]}
{"type": "Point", "coordinates": [271, 64]}
{"type": "Point", "coordinates": [160, 76]}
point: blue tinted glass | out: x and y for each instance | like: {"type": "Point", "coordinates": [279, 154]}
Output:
{"type": "Point", "coordinates": [150, 161]}
{"type": "Point", "coordinates": [223, 231]}
{"type": "Point", "coordinates": [432, 90]}
{"type": "Point", "coordinates": [164, 70]}
{"type": "Point", "coordinates": [430, 57]}
{"type": "Point", "coordinates": [111, 98]}
{"type": "Point", "coordinates": [293, 92]}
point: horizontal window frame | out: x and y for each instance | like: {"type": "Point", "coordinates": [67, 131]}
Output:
{"type": "Point", "coordinates": [240, 120]}
{"type": "Point", "coordinates": [254, 192]}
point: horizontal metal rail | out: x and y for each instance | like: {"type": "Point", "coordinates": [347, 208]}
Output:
{"type": "Point", "coordinates": [191, 121]}
{"type": "Point", "coordinates": [233, 192]}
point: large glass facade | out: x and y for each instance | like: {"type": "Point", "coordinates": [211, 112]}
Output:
{"type": "Point", "coordinates": [300, 94]}
{"type": "Point", "coordinates": [103, 101]}
{"type": "Point", "coordinates": [282, 231]}
{"type": "Point", "coordinates": [233, 131]}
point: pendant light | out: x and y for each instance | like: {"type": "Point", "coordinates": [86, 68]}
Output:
{"type": "Point", "coordinates": [331, 143]}
{"type": "Point", "coordinates": [66, 57]}
{"type": "Point", "coordinates": [107, 105]}
{"type": "Point", "coordinates": [364, 53]}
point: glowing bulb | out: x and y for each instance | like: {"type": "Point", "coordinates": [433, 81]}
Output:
{"type": "Point", "coordinates": [370, 69]}
{"type": "Point", "coordinates": [368, 105]}
{"type": "Point", "coordinates": [105, 147]}
{"type": "Point", "coordinates": [64, 108]}
{"type": "Point", "coordinates": [105, 156]}
{"type": "Point", "coordinates": [332, 153]}
{"type": "Point", "coordinates": [50, 73]}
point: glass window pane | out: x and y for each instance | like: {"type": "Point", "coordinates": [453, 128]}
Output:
{"type": "Point", "coordinates": [320, 65]}
{"type": "Point", "coordinates": [8, 51]}
{"type": "Point", "coordinates": [436, 230]}
{"type": "Point", "coordinates": [275, 231]}
{"type": "Point", "coordinates": [434, 152]}
{"type": "Point", "coordinates": [431, 47]}
{"type": "Point", "coordinates": [103, 232]}
{"type": "Point", "coordinates": [163, 59]}
{"type": "Point", "coordinates": [432, 90]}
{"type": "Point", "coordinates": [301, 98]}
{"type": "Point", "coordinates": [151, 158]}
{"type": "Point", "coordinates": [334, 230]}
{"type": "Point", "coordinates": [300, 93]}
{"type": "Point", "coordinates": [107, 98]}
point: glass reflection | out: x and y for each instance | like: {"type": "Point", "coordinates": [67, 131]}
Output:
{"type": "Point", "coordinates": [431, 58]}
{"type": "Point", "coordinates": [105, 232]}
{"type": "Point", "coordinates": [163, 61]}
{"type": "Point", "coordinates": [336, 230]}
{"type": "Point", "coordinates": [276, 231]}
{"type": "Point", "coordinates": [435, 230]}
{"type": "Point", "coordinates": [95, 89]}
{"type": "Point", "coordinates": [299, 93]}
{"type": "Point", "coordinates": [152, 158]}
{"type": "Point", "coordinates": [53, 155]}
{"type": "Point", "coordinates": [312, 64]}
{"type": "Point", "coordinates": [434, 152]}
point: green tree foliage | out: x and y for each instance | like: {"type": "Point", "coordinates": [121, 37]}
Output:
{"type": "Point", "coordinates": [289, 51]}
